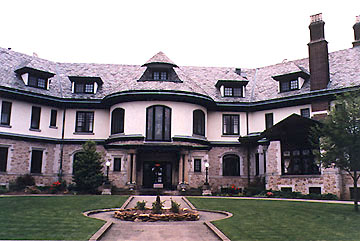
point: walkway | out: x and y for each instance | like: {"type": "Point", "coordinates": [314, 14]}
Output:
{"type": "Point", "coordinates": [185, 230]}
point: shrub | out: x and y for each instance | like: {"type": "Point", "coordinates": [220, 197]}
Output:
{"type": "Point", "coordinates": [157, 206]}
{"type": "Point", "coordinates": [22, 182]}
{"type": "Point", "coordinates": [32, 190]}
{"type": "Point", "coordinates": [58, 186]}
{"type": "Point", "coordinates": [140, 205]}
{"type": "Point", "coordinates": [3, 190]}
{"type": "Point", "coordinates": [174, 206]}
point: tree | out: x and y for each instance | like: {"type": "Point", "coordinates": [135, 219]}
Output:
{"type": "Point", "coordinates": [339, 138]}
{"type": "Point", "coordinates": [88, 165]}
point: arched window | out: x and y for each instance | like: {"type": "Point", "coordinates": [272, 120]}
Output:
{"type": "Point", "coordinates": [199, 122]}
{"type": "Point", "coordinates": [231, 165]}
{"type": "Point", "coordinates": [158, 123]}
{"type": "Point", "coordinates": [117, 121]}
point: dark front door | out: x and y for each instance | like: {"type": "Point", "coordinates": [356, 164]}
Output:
{"type": "Point", "coordinates": [157, 174]}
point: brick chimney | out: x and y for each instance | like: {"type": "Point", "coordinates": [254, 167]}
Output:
{"type": "Point", "coordinates": [318, 54]}
{"type": "Point", "coordinates": [356, 28]}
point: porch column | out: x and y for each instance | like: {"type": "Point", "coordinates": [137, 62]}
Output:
{"type": "Point", "coordinates": [134, 168]}
{"type": "Point", "coordinates": [131, 168]}
{"type": "Point", "coordinates": [186, 168]}
{"type": "Point", "coordinates": [181, 170]}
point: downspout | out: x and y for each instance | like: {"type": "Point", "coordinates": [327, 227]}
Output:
{"type": "Point", "coordinates": [62, 129]}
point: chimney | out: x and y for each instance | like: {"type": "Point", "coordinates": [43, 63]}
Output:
{"type": "Point", "coordinates": [356, 28]}
{"type": "Point", "coordinates": [318, 54]}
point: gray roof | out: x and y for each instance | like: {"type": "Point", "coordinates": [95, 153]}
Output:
{"type": "Point", "coordinates": [344, 72]}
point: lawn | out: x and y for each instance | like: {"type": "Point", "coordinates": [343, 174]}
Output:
{"type": "Point", "coordinates": [284, 220]}
{"type": "Point", "coordinates": [52, 218]}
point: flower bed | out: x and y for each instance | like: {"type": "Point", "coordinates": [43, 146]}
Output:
{"type": "Point", "coordinates": [147, 215]}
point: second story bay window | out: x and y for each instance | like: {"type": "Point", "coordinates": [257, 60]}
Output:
{"type": "Point", "coordinates": [84, 121]}
{"type": "Point", "coordinates": [158, 123]}
{"type": "Point", "coordinates": [85, 84]}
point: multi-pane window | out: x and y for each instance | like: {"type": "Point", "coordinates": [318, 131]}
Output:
{"type": "Point", "coordinates": [158, 121]}
{"type": "Point", "coordinates": [231, 124]}
{"type": "Point", "coordinates": [35, 118]}
{"type": "Point", "coordinates": [3, 158]}
{"type": "Point", "coordinates": [197, 165]}
{"type": "Point", "coordinates": [199, 122]}
{"type": "Point", "coordinates": [314, 190]}
{"type": "Point", "coordinates": [37, 82]}
{"type": "Point", "coordinates": [84, 121]}
{"type": "Point", "coordinates": [117, 121]}
{"type": "Point", "coordinates": [5, 113]}
{"type": "Point", "coordinates": [160, 75]}
{"type": "Point", "coordinates": [36, 161]}
{"type": "Point", "coordinates": [53, 116]}
{"type": "Point", "coordinates": [117, 164]}
{"type": "Point", "coordinates": [298, 160]}
{"type": "Point", "coordinates": [269, 120]}
{"type": "Point", "coordinates": [289, 85]}
{"type": "Point", "coordinates": [231, 165]}
{"type": "Point", "coordinates": [305, 112]}
{"type": "Point", "coordinates": [87, 88]}
{"type": "Point", "coordinates": [233, 91]}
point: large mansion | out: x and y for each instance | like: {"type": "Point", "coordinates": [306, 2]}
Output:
{"type": "Point", "coordinates": [159, 123]}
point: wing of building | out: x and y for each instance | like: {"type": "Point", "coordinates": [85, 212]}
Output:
{"type": "Point", "coordinates": [159, 123]}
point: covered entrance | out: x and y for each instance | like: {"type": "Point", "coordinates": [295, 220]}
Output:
{"type": "Point", "coordinates": [157, 174]}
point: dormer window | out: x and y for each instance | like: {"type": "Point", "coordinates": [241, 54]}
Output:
{"type": "Point", "coordinates": [160, 75]}
{"type": "Point", "coordinates": [34, 77]}
{"type": "Point", "coordinates": [289, 85]}
{"type": "Point", "coordinates": [85, 85]}
{"type": "Point", "coordinates": [233, 91]}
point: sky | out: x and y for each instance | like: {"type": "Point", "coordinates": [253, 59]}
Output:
{"type": "Point", "coordinates": [228, 33]}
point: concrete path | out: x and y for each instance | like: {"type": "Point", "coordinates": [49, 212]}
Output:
{"type": "Point", "coordinates": [184, 230]}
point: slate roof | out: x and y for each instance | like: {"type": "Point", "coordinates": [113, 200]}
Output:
{"type": "Point", "coordinates": [344, 72]}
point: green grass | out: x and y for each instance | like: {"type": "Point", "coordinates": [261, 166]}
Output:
{"type": "Point", "coordinates": [52, 218]}
{"type": "Point", "coordinates": [284, 220]}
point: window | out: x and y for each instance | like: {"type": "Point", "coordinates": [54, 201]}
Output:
{"type": "Point", "coordinates": [3, 158]}
{"type": "Point", "coordinates": [37, 82]}
{"type": "Point", "coordinates": [35, 118]}
{"type": "Point", "coordinates": [36, 161]}
{"type": "Point", "coordinates": [257, 164]}
{"type": "Point", "coordinates": [199, 122]}
{"type": "Point", "coordinates": [5, 113]}
{"type": "Point", "coordinates": [314, 190]}
{"type": "Point", "coordinates": [81, 87]}
{"type": "Point", "coordinates": [298, 160]}
{"type": "Point", "coordinates": [289, 85]}
{"type": "Point", "coordinates": [117, 164]}
{"type": "Point", "coordinates": [158, 121]}
{"type": "Point", "coordinates": [233, 91]}
{"type": "Point", "coordinates": [231, 124]}
{"type": "Point", "coordinates": [269, 120]}
{"type": "Point", "coordinates": [53, 117]}
{"type": "Point", "coordinates": [286, 189]}
{"type": "Point", "coordinates": [84, 121]}
{"type": "Point", "coordinates": [305, 112]}
{"type": "Point", "coordinates": [231, 165]}
{"type": "Point", "coordinates": [197, 165]}
{"type": "Point", "coordinates": [117, 121]}
{"type": "Point", "coordinates": [160, 75]}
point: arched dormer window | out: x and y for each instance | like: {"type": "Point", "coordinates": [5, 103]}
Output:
{"type": "Point", "coordinates": [117, 121]}
{"type": "Point", "coordinates": [198, 123]}
{"type": "Point", "coordinates": [158, 123]}
{"type": "Point", "coordinates": [231, 165]}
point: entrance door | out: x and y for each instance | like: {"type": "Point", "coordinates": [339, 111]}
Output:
{"type": "Point", "coordinates": [157, 174]}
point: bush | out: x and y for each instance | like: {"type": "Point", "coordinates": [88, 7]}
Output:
{"type": "Point", "coordinates": [175, 207]}
{"type": "Point", "coordinates": [140, 205]}
{"type": "Point", "coordinates": [157, 206]}
{"type": "Point", "coordinates": [32, 190]}
{"type": "Point", "coordinates": [296, 195]}
{"type": "Point", "coordinates": [3, 190]}
{"type": "Point", "coordinates": [22, 182]}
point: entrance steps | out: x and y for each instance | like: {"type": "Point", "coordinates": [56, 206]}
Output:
{"type": "Point", "coordinates": [154, 191]}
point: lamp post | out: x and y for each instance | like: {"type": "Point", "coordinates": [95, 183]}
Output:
{"type": "Point", "coordinates": [206, 174]}
{"type": "Point", "coordinates": [107, 171]}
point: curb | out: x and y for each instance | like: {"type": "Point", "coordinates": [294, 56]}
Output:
{"type": "Point", "coordinates": [108, 224]}
{"type": "Point", "coordinates": [211, 226]}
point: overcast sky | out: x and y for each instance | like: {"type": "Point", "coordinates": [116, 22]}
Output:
{"type": "Point", "coordinates": [244, 34]}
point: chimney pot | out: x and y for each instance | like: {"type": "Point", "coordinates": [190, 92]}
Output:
{"type": "Point", "coordinates": [358, 19]}
{"type": "Point", "coordinates": [316, 18]}
{"type": "Point", "coordinates": [356, 28]}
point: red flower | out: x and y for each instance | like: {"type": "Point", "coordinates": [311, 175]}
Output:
{"type": "Point", "coordinates": [269, 193]}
